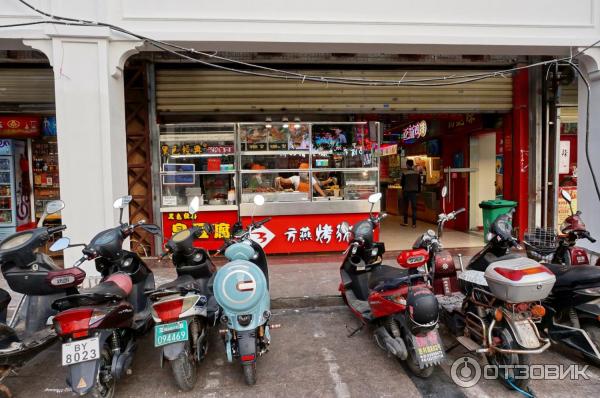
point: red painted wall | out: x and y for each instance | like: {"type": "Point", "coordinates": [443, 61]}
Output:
{"type": "Point", "coordinates": [520, 147]}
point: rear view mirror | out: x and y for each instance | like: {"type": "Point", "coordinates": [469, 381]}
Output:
{"type": "Point", "coordinates": [60, 244]}
{"type": "Point", "coordinates": [122, 202]}
{"type": "Point", "coordinates": [194, 205]}
{"type": "Point", "coordinates": [566, 196]}
{"type": "Point", "coordinates": [259, 200]}
{"type": "Point", "coordinates": [152, 228]}
{"type": "Point", "coordinates": [55, 206]}
{"type": "Point", "coordinates": [374, 198]}
{"type": "Point", "coordinates": [52, 207]}
{"type": "Point", "coordinates": [444, 191]}
{"type": "Point", "coordinates": [208, 228]}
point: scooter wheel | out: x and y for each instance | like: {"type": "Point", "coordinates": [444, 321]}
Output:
{"type": "Point", "coordinates": [184, 371]}
{"type": "Point", "coordinates": [507, 376]}
{"type": "Point", "coordinates": [250, 373]}
{"type": "Point", "coordinates": [594, 332]}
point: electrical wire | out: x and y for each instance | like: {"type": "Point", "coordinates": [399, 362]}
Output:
{"type": "Point", "coordinates": [290, 75]}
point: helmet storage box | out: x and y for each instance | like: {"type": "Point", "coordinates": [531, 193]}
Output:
{"type": "Point", "coordinates": [519, 280]}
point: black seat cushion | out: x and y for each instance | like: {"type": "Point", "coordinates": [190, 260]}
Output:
{"type": "Point", "coordinates": [383, 273]}
{"type": "Point", "coordinates": [101, 293]}
{"type": "Point", "coordinates": [576, 276]}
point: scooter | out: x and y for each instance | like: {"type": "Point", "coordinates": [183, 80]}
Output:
{"type": "Point", "coordinates": [492, 306]}
{"type": "Point", "coordinates": [98, 326]}
{"type": "Point", "coordinates": [398, 303]}
{"type": "Point", "coordinates": [184, 309]}
{"type": "Point", "coordinates": [542, 244]}
{"type": "Point", "coordinates": [241, 288]}
{"type": "Point", "coordinates": [41, 281]}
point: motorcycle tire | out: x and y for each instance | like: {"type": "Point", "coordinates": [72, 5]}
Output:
{"type": "Point", "coordinates": [185, 371]}
{"type": "Point", "coordinates": [250, 373]}
{"type": "Point", "coordinates": [594, 332]}
{"type": "Point", "coordinates": [102, 389]}
{"type": "Point", "coordinates": [505, 376]}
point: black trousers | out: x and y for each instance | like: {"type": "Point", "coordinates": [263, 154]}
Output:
{"type": "Point", "coordinates": [412, 198]}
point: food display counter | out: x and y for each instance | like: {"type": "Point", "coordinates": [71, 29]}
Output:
{"type": "Point", "coordinates": [313, 176]}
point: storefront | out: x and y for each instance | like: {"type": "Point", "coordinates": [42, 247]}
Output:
{"type": "Point", "coordinates": [439, 128]}
{"type": "Point", "coordinates": [28, 171]}
{"type": "Point", "coordinates": [313, 176]}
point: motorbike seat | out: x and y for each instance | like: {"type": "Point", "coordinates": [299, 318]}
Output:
{"type": "Point", "coordinates": [115, 287]}
{"type": "Point", "coordinates": [571, 277]}
{"type": "Point", "coordinates": [383, 273]}
{"type": "Point", "coordinates": [184, 281]}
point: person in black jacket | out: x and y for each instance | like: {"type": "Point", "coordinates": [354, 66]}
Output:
{"type": "Point", "coordinates": [411, 185]}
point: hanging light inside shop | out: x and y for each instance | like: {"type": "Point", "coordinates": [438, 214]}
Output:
{"type": "Point", "coordinates": [285, 122]}
{"type": "Point", "coordinates": [296, 122]}
{"type": "Point", "coordinates": [268, 123]}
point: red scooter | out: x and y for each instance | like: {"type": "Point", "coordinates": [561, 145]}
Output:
{"type": "Point", "coordinates": [397, 302]}
{"type": "Point", "coordinates": [545, 245]}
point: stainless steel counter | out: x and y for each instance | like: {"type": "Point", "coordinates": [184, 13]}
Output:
{"type": "Point", "coordinates": [300, 208]}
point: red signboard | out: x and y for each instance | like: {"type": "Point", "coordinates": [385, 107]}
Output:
{"type": "Point", "coordinates": [223, 221]}
{"type": "Point", "coordinates": [283, 234]}
{"type": "Point", "coordinates": [19, 126]}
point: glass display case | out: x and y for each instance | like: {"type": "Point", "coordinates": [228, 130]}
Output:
{"type": "Point", "coordinates": [308, 162]}
{"type": "Point", "coordinates": [197, 160]}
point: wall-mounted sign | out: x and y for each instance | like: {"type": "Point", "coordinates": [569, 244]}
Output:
{"type": "Point", "coordinates": [49, 126]}
{"type": "Point", "coordinates": [19, 126]}
{"type": "Point", "coordinates": [564, 157]}
{"type": "Point", "coordinates": [413, 132]}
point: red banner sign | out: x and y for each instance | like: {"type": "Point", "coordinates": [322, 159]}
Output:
{"type": "Point", "coordinates": [19, 126]}
{"type": "Point", "coordinates": [283, 234]}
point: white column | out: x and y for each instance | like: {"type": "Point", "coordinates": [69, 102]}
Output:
{"type": "Point", "coordinates": [90, 117]}
{"type": "Point", "coordinates": [587, 199]}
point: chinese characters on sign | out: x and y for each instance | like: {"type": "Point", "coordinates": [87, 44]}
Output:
{"type": "Point", "coordinates": [323, 233]}
{"type": "Point", "coordinates": [414, 132]}
{"type": "Point", "coordinates": [222, 229]}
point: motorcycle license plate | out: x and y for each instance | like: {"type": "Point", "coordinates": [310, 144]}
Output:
{"type": "Point", "coordinates": [80, 351]}
{"type": "Point", "coordinates": [428, 348]}
{"type": "Point", "coordinates": [169, 333]}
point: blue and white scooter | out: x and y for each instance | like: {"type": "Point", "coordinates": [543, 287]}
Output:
{"type": "Point", "coordinates": [241, 288]}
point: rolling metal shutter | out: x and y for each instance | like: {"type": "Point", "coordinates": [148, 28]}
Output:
{"type": "Point", "coordinates": [26, 86]}
{"type": "Point", "coordinates": [212, 91]}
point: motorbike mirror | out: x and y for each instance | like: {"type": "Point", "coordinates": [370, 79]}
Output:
{"type": "Point", "coordinates": [259, 200]}
{"type": "Point", "coordinates": [489, 236]}
{"type": "Point", "coordinates": [55, 206]}
{"type": "Point", "coordinates": [344, 227]}
{"type": "Point", "coordinates": [208, 228]}
{"type": "Point", "coordinates": [152, 228]}
{"type": "Point", "coordinates": [122, 202]}
{"type": "Point", "coordinates": [60, 244]}
{"type": "Point", "coordinates": [444, 191]}
{"type": "Point", "coordinates": [52, 207]}
{"type": "Point", "coordinates": [566, 196]}
{"type": "Point", "coordinates": [374, 198]}
{"type": "Point", "coordinates": [194, 205]}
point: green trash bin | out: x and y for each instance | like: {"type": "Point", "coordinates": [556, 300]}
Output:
{"type": "Point", "coordinates": [491, 210]}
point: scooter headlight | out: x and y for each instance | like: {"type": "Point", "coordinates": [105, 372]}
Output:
{"type": "Point", "coordinates": [244, 320]}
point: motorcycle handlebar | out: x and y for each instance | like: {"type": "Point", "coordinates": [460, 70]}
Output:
{"type": "Point", "coordinates": [54, 230]}
{"type": "Point", "coordinates": [262, 222]}
{"type": "Point", "coordinates": [589, 237]}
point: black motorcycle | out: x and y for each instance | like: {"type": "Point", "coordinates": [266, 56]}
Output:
{"type": "Point", "coordinates": [572, 309]}
{"type": "Point", "coordinates": [184, 309]}
{"type": "Point", "coordinates": [99, 325]}
{"type": "Point", "coordinates": [41, 281]}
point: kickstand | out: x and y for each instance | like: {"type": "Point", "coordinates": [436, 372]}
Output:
{"type": "Point", "coordinates": [352, 333]}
